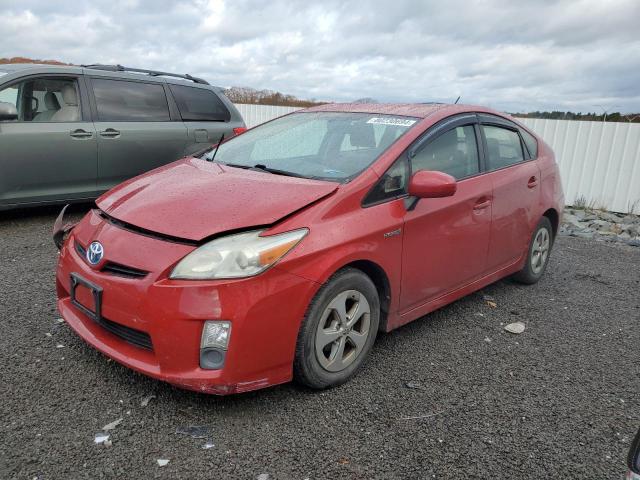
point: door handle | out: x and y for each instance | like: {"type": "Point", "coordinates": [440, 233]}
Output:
{"type": "Point", "coordinates": [482, 203]}
{"type": "Point", "coordinates": [80, 133]}
{"type": "Point", "coordinates": [533, 182]}
{"type": "Point", "coordinates": [110, 133]}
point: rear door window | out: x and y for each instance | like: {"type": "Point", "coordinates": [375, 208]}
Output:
{"type": "Point", "coordinates": [503, 147]}
{"type": "Point", "coordinates": [199, 104]}
{"type": "Point", "coordinates": [124, 101]}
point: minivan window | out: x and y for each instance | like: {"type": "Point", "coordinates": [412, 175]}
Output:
{"type": "Point", "coordinates": [199, 104]}
{"type": "Point", "coordinates": [324, 145]}
{"type": "Point", "coordinates": [503, 147]}
{"type": "Point", "coordinates": [44, 100]}
{"type": "Point", "coordinates": [123, 101]}
{"type": "Point", "coordinates": [454, 152]}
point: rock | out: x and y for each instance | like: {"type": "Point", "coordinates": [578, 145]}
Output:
{"type": "Point", "coordinates": [609, 216]}
{"type": "Point", "coordinates": [515, 328]}
{"type": "Point", "coordinates": [112, 425]}
{"type": "Point", "coordinates": [634, 242]}
{"type": "Point", "coordinates": [415, 385]}
{"type": "Point", "coordinates": [100, 437]}
{"type": "Point", "coordinates": [600, 225]}
{"type": "Point", "coordinates": [570, 219]}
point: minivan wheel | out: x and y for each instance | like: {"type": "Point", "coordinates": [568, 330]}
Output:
{"type": "Point", "coordinates": [338, 330]}
{"type": "Point", "coordinates": [538, 257]}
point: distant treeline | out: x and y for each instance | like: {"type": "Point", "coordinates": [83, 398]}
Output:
{"type": "Point", "coordinates": [594, 117]}
{"type": "Point", "coordinates": [30, 60]}
{"type": "Point", "coordinates": [266, 97]}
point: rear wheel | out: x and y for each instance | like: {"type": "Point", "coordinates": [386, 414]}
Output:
{"type": "Point", "coordinates": [538, 257]}
{"type": "Point", "coordinates": [338, 330]}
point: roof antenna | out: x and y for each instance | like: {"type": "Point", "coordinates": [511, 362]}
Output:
{"type": "Point", "coordinates": [456, 100]}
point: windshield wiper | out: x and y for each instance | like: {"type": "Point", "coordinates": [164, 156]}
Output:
{"type": "Point", "coordinates": [276, 171]}
{"type": "Point", "coordinates": [263, 168]}
{"type": "Point", "coordinates": [213, 157]}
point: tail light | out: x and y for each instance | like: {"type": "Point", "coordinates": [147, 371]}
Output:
{"type": "Point", "coordinates": [239, 130]}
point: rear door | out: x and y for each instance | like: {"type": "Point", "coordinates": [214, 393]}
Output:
{"type": "Point", "coordinates": [204, 114]}
{"type": "Point", "coordinates": [516, 191]}
{"type": "Point", "coordinates": [135, 130]}
{"type": "Point", "coordinates": [49, 152]}
{"type": "Point", "coordinates": [446, 239]}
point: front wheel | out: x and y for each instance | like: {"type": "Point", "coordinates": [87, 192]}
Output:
{"type": "Point", "coordinates": [538, 257]}
{"type": "Point", "coordinates": [338, 330]}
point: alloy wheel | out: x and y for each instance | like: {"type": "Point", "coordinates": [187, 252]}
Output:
{"type": "Point", "coordinates": [343, 330]}
{"type": "Point", "coordinates": [540, 250]}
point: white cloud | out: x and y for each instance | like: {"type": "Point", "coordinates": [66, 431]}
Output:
{"type": "Point", "coordinates": [515, 56]}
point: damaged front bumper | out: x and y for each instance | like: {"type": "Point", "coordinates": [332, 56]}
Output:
{"type": "Point", "coordinates": [153, 324]}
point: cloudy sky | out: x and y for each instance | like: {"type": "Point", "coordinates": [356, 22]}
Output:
{"type": "Point", "coordinates": [512, 55]}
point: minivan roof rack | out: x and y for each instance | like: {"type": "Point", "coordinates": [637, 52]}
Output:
{"type": "Point", "coordinates": [153, 73]}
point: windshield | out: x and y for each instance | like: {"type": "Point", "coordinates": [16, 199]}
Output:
{"type": "Point", "coordinates": [332, 146]}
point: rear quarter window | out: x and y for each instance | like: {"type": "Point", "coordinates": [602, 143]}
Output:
{"type": "Point", "coordinates": [199, 104]}
{"type": "Point", "coordinates": [531, 143]}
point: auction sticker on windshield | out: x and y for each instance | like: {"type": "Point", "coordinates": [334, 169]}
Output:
{"type": "Point", "coordinates": [401, 122]}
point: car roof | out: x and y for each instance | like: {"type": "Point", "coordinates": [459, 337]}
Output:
{"type": "Point", "coordinates": [79, 69]}
{"type": "Point", "coordinates": [419, 110]}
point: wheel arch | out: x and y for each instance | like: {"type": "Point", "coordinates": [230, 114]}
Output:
{"type": "Point", "coordinates": [554, 218]}
{"type": "Point", "coordinates": [380, 279]}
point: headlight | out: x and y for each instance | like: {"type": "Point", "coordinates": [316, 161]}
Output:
{"type": "Point", "coordinates": [237, 256]}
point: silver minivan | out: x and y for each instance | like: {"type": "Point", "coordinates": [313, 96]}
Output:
{"type": "Point", "coordinates": [69, 133]}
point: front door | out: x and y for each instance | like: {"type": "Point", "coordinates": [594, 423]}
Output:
{"type": "Point", "coordinates": [49, 152]}
{"type": "Point", "coordinates": [134, 129]}
{"type": "Point", "coordinates": [446, 239]}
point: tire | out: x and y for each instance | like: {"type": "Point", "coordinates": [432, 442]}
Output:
{"type": "Point", "coordinates": [331, 347]}
{"type": "Point", "coordinates": [538, 253]}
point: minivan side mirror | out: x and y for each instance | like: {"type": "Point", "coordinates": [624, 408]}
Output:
{"type": "Point", "coordinates": [431, 184]}
{"type": "Point", "coordinates": [8, 111]}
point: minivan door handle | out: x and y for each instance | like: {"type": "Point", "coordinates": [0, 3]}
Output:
{"type": "Point", "coordinates": [80, 133]}
{"type": "Point", "coordinates": [110, 133]}
{"type": "Point", "coordinates": [533, 182]}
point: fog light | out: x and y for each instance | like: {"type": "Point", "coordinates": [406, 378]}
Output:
{"type": "Point", "coordinates": [214, 343]}
{"type": "Point", "coordinates": [212, 358]}
{"type": "Point", "coordinates": [215, 334]}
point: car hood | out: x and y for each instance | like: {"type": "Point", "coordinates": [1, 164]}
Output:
{"type": "Point", "coordinates": [193, 199]}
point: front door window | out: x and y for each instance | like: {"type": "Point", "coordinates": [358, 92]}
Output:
{"type": "Point", "coordinates": [44, 100]}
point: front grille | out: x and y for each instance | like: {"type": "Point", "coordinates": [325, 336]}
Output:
{"type": "Point", "coordinates": [115, 268]}
{"type": "Point", "coordinates": [131, 335]}
{"type": "Point", "coordinates": [123, 270]}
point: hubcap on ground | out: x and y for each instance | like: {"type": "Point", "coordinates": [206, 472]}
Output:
{"type": "Point", "coordinates": [343, 330]}
{"type": "Point", "coordinates": [540, 250]}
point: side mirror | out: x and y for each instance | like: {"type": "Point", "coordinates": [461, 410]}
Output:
{"type": "Point", "coordinates": [8, 111]}
{"type": "Point", "coordinates": [429, 184]}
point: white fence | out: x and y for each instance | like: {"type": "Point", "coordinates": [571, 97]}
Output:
{"type": "Point", "coordinates": [256, 114]}
{"type": "Point", "coordinates": [599, 162]}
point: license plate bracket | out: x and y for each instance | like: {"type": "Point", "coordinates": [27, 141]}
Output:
{"type": "Point", "coordinates": [96, 293]}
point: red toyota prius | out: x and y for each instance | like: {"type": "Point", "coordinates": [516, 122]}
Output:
{"type": "Point", "coordinates": [284, 251]}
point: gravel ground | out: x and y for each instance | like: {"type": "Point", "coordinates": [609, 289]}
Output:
{"type": "Point", "coordinates": [557, 401]}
